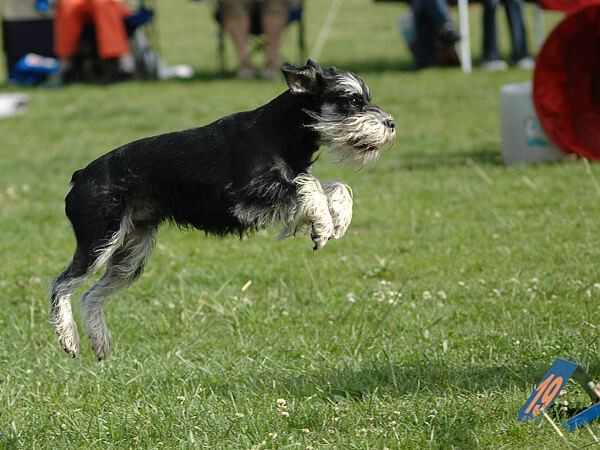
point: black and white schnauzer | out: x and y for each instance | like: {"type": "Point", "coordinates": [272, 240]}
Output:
{"type": "Point", "coordinates": [238, 174]}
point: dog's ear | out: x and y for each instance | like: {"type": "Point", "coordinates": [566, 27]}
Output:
{"type": "Point", "coordinates": [302, 80]}
{"type": "Point", "coordinates": [315, 65]}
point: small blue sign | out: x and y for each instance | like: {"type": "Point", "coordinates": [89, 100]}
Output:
{"type": "Point", "coordinates": [547, 390]}
{"type": "Point", "coordinates": [583, 417]}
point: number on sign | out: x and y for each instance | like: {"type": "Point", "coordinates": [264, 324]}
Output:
{"type": "Point", "coordinates": [546, 391]}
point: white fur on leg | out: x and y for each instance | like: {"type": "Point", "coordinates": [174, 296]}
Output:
{"type": "Point", "coordinates": [66, 328]}
{"type": "Point", "coordinates": [95, 324]}
{"type": "Point", "coordinates": [312, 210]}
{"type": "Point", "coordinates": [62, 315]}
{"type": "Point", "coordinates": [115, 242]}
{"type": "Point", "coordinates": [122, 269]}
{"type": "Point", "coordinates": [339, 197]}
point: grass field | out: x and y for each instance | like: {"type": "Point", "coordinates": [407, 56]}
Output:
{"type": "Point", "coordinates": [427, 326]}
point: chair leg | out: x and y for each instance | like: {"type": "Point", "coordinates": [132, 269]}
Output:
{"type": "Point", "coordinates": [301, 41]}
{"type": "Point", "coordinates": [221, 49]}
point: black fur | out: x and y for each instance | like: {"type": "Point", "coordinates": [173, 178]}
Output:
{"type": "Point", "coordinates": [223, 178]}
{"type": "Point", "coordinates": [196, 177]}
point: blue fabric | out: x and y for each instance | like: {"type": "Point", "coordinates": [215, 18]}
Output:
{"type": "Point", "coordinates": [518, 37]}
{"type": "Point", "coordinates": [33, 69]}
{"type": "Point", "coordinates": [140, 17]}
{"type": "Point", "coordinates": [429, 17]}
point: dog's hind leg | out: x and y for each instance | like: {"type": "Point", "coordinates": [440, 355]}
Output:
{"type": "Point", "coordinates": [61, 290]}
{"type": "Point", "coordinates": [94, 248]}
{"type": "Point", "coordinates": [123, 267]}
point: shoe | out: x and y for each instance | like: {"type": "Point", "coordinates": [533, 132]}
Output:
{"type": "Point", "coordinates": [127, 64]}
{"type": "Point", "coordinates": [495, 65]}
{"type": "Point", "coordinates": [447, 34]}
{"type": "Point", "coordinates": [245, 73]}
{"type": "Point", "coordinates": [526, 63]}
{"type": "Point", "coordinates": [270, 73]}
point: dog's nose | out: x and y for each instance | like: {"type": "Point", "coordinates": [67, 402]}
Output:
{"type": "Point", "coordinates": [389, 123]}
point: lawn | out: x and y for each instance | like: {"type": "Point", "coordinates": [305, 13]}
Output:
{"type": "Point", "coordinates": [459, 282]}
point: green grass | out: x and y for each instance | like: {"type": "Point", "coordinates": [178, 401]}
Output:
{"type": "Point", "coordinates": [458, 283]}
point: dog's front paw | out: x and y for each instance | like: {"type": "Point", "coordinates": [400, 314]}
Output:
{"type": "Point", "coordinates": [321, 233]}
{"type": "Point", "coordinates": [339, 199]}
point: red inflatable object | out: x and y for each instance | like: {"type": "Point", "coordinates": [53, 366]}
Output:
{"type": "Point", "coordinates": [566, 83]}
{"type": "Point", "coordinates": [565, 5]}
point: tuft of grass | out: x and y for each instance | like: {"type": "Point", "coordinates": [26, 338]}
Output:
{"type": "Point", "coordinates": [459, 282]}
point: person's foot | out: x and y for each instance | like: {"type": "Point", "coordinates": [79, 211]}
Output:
{"type": "Point", "coordinates": [127, 64]}
{"type": "Point", "coordinates": [495, 65]}
{"type": "Point", "coordinates": [526, 63]}
{"type": "Point", "coordinates": [447, 34]}
{"type": "Point", "coordinates": [270, 73]}
{"type": "Point", "coordinates": [245, 73]}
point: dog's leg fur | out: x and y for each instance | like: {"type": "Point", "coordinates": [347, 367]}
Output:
{"type": "Point", "coordinates": [61, 290]}
{"type": "Point", "coordinates": [325, 209]}
{"type": "Point", "coordinates": [339, 199]}
{"type": "Point", "coordinates": [313, 206]}
{"type": "Point", "coordinates": [124, 265]}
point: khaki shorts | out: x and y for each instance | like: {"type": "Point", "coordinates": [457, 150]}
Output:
{"type": "Point", "coordinates": [243, 7]}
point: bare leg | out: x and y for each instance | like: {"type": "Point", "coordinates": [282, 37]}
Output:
{"type": "Point", "coordinates": [273, 27]}
{"type": "Point", "coordinates": [238, 28]}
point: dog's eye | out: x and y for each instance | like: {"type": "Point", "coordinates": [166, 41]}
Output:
{"type": "Point", "coordinates": [355, 102]}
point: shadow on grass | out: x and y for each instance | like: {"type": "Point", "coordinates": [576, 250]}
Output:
{"type": "Point", "coordinates": [419, 376]}
{"type": "Point", "coordinates": [366, 66]}
{"type": "Point", "coordinates": [373, 66]}
{"type": "Point", "coordinates": [207, 75]}
{"type": "Point", "coordinates": [441, 160]}
{"type": "Point", "coordinates": [434, 378]}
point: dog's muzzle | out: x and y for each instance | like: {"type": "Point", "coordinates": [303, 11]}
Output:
{"type": "Point", "coordinates": [368, 133]}
{"type": "Point", "coordinates": [359, 137]}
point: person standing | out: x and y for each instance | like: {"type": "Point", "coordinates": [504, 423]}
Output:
{"type": "Point", "coordinates": [491, 60]}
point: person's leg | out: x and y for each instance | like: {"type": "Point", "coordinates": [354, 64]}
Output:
{"type": "Point", "coordinates": [109, 22]}
{"type": "Point", "coordinates": [424, 43]}
{"type": "Point", "coordinates": [236, 22]}
{"type": "Point", "coordinates": [490, 58]}
{"type": "Point", "coordinates": [69, 19]}
{"type": "Point", "coordinates": [439, 15]}
{"type": "Point", "coordinates": [490, 43]}
{"type": "Point", "coordinates": [518, 36]}
{"type": "Point", "coordinates": [274, 16]}
{"type": "Point", "coordinates": [438, 11]}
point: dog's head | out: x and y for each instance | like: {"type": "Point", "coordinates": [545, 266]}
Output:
{"type": "Point", "coordinates": [344, 117]}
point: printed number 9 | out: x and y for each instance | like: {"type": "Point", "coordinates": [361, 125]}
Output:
{"type": "Point", "coordinates": [547, 390]}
